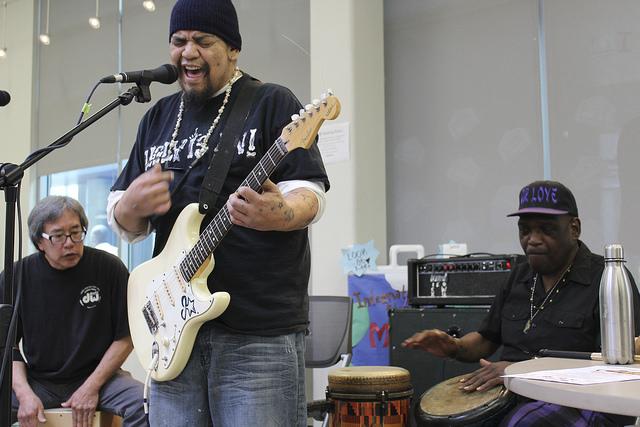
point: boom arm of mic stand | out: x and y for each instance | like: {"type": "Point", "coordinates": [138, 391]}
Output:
{"type": "Point", "coordinates": [10, 177]}
{"type": "Point", "coordinates": [14, 176]}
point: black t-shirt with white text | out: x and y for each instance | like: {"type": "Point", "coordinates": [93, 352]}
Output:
{"type": "Point", "coordinates": [69, 318]}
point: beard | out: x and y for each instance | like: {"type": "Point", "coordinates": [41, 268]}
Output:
{"type": "Point", "coordinates": [552, 263]}
{"type": "Point", "coordinates": [543, 266]}
{"type": "Point", "coordinates": [197, 98]}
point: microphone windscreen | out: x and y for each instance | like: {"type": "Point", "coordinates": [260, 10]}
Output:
{"type": "Point", "coordinates": [167, 74]}
{"type": "Point", "coordinates": [5, 97]}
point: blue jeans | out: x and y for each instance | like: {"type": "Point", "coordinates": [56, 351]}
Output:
{"type": "Point", "coordinates": [235, 380]}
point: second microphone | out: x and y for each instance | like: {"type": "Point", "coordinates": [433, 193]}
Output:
{"type": "Point", "coordinates": [166, 73]}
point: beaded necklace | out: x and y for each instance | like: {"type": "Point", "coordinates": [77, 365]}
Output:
{"type": "Point", "coordinates": [205, 142]}
{"type": "Point", "coordinates": [548, 298]}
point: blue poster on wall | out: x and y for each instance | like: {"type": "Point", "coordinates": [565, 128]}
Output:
{"type": "Point", "coordinates": [372, 297]}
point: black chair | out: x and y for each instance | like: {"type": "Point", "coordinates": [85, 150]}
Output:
{"type": "Point", "coordinates": [328, 342]}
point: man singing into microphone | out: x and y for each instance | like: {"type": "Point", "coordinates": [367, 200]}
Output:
{"type": "Point", "coordinates": [551, 301]}
{"type": "Point", "coordinates": [72, 323]}
{"type": "Point", "coordinates": [247, 366]}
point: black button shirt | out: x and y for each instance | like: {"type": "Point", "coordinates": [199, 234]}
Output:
{"type": "Point", "coordinates": [569, 321]}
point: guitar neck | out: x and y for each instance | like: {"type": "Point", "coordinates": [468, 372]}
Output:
{"type": "Point", "coordinates": [213, 234]}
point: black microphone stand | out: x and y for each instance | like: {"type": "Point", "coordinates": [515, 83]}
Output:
{"type": "Point", "coordinates": [10, 177]}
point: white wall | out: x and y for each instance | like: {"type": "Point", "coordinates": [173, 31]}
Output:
{"type": "Point", "coordinates": [347, 55]}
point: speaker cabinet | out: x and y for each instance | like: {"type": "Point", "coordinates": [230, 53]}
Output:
{"type": "Point", "coordinates": [428, 370]}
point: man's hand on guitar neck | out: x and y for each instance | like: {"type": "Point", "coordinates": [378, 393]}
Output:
{"type": "Point", "coordinates": [271, 210]}
{"type": "Point", "coordinates": [147, 195]}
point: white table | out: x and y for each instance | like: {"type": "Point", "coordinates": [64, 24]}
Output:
{"type": "Point", "coordinates": [616, 398]}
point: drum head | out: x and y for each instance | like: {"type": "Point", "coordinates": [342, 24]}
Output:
{"type": "Point", "coordinates": [369, 379]}
{"type": "Point", "coordinates": [446, 404]}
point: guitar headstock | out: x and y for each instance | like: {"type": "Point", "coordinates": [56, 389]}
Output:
{"type": "Point", "coordinates": [301, 132]}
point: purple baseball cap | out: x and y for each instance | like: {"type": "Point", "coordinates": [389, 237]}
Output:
{"type": "Point", "coordinates": [546, 198]}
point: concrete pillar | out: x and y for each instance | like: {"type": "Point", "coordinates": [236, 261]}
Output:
{"type": "Point", "coordinates": [347, 55]}
{"type": "Point", "coordinates": [16, 123]}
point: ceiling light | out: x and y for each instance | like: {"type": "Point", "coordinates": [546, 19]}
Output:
{"type": "Point", "coordinates": [94, 21]}
{"type": "Point", "coordinates": [149, 5]}
{"type": "Point", "coordinates": [44, 37]}
{"type": "Point", "coordinates": [3, 50]}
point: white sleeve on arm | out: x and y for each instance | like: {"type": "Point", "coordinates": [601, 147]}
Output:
{"type": "Point", "coordinates": [112, 201]}
{"type": "Point", "coordinates": [316, 187]}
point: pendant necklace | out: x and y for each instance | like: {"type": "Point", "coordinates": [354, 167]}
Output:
{"type": "Point", "coordinates": [547, 299]}
{"type": "Point", "coordinates": [205, 141]}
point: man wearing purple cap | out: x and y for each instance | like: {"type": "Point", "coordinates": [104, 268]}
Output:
{"type": "Point", "coordinates": [549, 302]}
{"type": "Point", "coordinates": [247, 365]}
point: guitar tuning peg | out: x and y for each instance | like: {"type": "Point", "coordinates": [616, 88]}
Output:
{"type": "Point", "coordinates": [294, 117]}
{"type": "Point", "coordinates": [330, 92]}
{"type": "Point", "coordinates": [302, 113]}
{"type": "Point", "coordinates": [308, 107]}
{"type": "Point", "coordinates": [316, 103]}
{"type": "Point", "coordinates": [323, 96]}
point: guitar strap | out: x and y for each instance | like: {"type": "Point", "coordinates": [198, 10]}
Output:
{"type": "Point", "coordinates": [221, 159]}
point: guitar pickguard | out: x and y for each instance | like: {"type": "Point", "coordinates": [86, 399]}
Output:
{"type": "Point", "coordinates": [170, 305]}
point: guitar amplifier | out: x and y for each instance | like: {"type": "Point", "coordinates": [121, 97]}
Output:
{"type": "Point", "coordinates": [463, 280]}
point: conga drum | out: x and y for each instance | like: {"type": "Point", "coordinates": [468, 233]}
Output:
{"type": "Point", "coordinates": [446, 405]}
{"type": "Point", "coordinates": [360, 396]}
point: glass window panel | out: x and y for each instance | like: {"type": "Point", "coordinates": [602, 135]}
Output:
{"type": "Point", "coordinates": [462, 119]}
{"type": "Point", "coordinates": [90, 186]}
{"type": "Point", "coordinates": [593, 51]}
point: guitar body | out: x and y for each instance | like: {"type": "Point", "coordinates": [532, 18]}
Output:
{"type": "Point", "coordinates": [165, 310]}
{"type": "Point", "coordinates": [168, 298]}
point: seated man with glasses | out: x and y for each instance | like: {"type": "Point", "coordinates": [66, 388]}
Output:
{"type": "Point", "coordinates": [72, 323]}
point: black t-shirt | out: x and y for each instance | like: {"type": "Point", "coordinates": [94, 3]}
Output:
{"type": "Point", "coordinates": [69, 318]}
{"type": "Point", "coordinates": [266, 273]}
{"type": "Point", "coordinates": [570, 322]}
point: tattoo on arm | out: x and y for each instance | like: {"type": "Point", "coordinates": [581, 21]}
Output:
{"type": "Point", "coordinates": [288, 215]}
{"type": "Point", "coordinates": [302, 209]}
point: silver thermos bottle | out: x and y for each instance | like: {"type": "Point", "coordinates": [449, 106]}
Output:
{"type": "Point", "coordinates": [616, 309]}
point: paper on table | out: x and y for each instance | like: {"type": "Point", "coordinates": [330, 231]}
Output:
{"type": "Point", "coordinates": [584, 376]}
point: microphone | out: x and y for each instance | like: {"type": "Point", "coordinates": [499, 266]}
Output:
{"type": "Point", "coordinates": [5, 98]}
{"type": "Point", "coordinates": [166, 73]}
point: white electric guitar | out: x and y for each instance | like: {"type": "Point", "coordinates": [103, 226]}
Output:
{"type": "Point", "coordinates": [168, 298]}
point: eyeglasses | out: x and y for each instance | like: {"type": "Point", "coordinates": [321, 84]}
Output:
{"type": "Point", "coordinates": [59, 239]}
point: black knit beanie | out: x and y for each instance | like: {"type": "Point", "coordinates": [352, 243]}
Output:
{"type": "Point", "coordinates": [209, 16]}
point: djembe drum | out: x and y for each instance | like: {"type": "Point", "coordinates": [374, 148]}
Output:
{"type": "Point", "coordinates": [361, 396]}
{"type": "Point", "coordinates": [446, 405]}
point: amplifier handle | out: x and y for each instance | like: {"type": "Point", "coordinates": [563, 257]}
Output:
{"type": "Point", "coordinates": [394, 250]}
